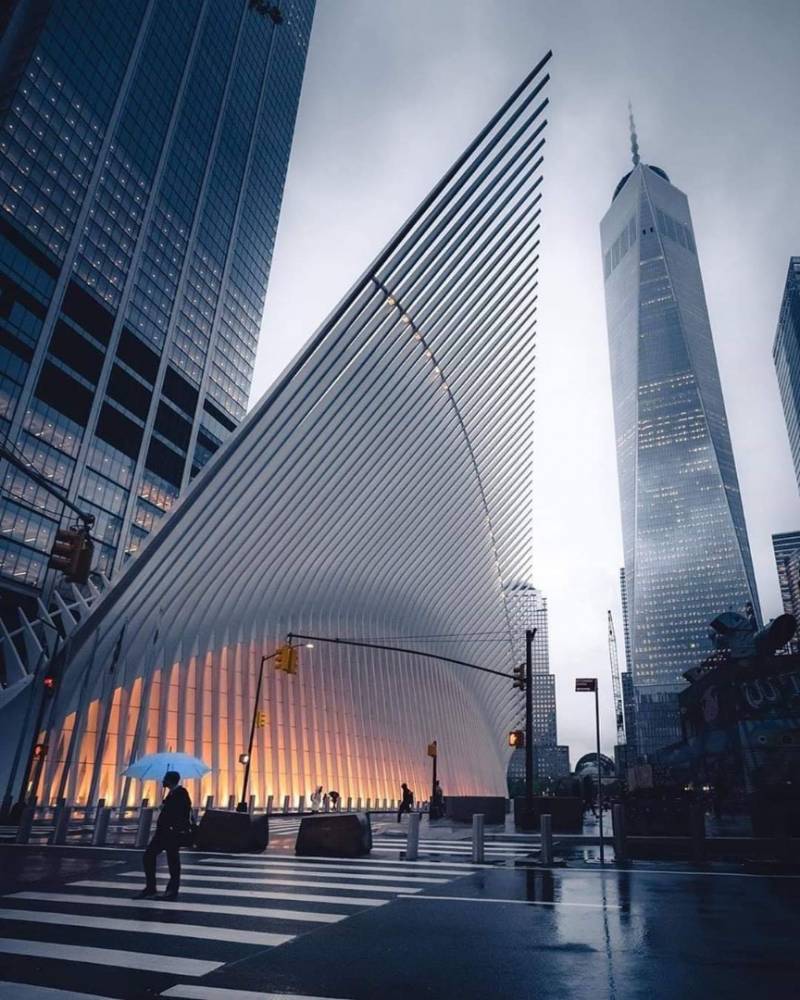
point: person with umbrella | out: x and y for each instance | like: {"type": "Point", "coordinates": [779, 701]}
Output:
{"type": "Point", "coordinates": [172, 829]}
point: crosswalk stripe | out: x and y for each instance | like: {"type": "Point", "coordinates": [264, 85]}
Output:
{"type": "Point", "coordinates": [218, 993]}
{"type": "Point", "coordinates": [290, 869]}
{"type": "Point", "coordinates": [246, 893]}
{"type": "Point", "coordinates": [26, 991]}
{"type": "Point", "coordinates": [154, 904]}
{"type": "Point", "coordinates": [107, 956]}
{"type": "Point", "coordinates": [278, 880]}
{"type": "Point", "coordinates": [148, 927]}
{"type": "Point", "coordinates": [319, 862]}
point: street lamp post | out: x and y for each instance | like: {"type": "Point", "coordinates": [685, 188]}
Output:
{"type": "Point", "coordinates": [590, 684]}
{"type": "Point", "coordinates": [246, 758]}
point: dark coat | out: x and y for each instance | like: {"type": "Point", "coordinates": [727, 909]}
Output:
{"type": "Point", "coordinates": [176, 812]}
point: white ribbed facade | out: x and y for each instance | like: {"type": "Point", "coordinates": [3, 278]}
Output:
{"type": "Point", "coordinates": [381, 488]}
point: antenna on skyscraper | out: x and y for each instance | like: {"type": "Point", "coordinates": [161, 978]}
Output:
{"type": "Point", "coordinates": [634, 139]}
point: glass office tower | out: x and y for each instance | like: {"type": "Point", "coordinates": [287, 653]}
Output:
{"type": "Point", "coordinates": [786, 354]}
{"type": "Point", "coordinates": [686, 551]}
{"type": "Point", "coordinates": [144, 151]}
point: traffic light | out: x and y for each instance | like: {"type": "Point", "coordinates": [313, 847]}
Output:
{"type": "Point", "coordinates": [286, 659]}
{"type": "Point", "coordinates": [49, 683]}
{"type": "Point", "coordinates": [261, 719]}
{"type": "Point", "coordinates": [519, 676]}
{"type": "Point", "coordinates": [39, 750]}
{"type": "Point", "coordinates": [516, 738]}
{"type": "Point", "coordinates": [72, 554]}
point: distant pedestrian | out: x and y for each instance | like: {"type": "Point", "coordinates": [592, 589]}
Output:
{"type": "Point", "coordinates": [334, 797]}
{"type": "Point", "coordinates": [174, 827]}
{"type": "Point", "coordinates": [437, 802]}
{"type": "Point", "coordinates": [406, 802]}
{"type": "Point", "coordinates": [316, 799]}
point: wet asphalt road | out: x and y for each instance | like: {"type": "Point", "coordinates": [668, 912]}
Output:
{"type": "Point", "coordinates": [500, 931]}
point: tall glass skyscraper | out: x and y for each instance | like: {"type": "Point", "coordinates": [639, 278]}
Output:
{"type": "Point", "coordinates": [144, 151]}
{"type": "Point", "coordinates": [686, 551]}
{"type": "Point", "coordinates": [786, 353]}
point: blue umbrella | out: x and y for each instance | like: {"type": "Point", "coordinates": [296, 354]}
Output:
{"type": "Point", "coordinates": [154, 766]}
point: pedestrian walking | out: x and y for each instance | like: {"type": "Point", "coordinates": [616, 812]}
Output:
{"type": "Point", "coordinates": [173, 829]}
{"type": "Point", "coordinates": [334, 797]}
{"type": "Point", "coordinates": [316, 799]}
{"type": "Point", "coordinates": [437, 802]}
{"type": "Point", "coordinates": [406, 802]}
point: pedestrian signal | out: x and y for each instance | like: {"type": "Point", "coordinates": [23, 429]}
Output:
{"type": "Point", "coordinates": [518, 674]}
{"type": "Point", "coordinates": [244, 758]}
{"type": "Point", "coordinates": [286, 659]}
{"type": "Point", "coordinates": [516, 738]}
{"type": "Point", "coordinates": [261, 719]}
{"type": "Point", "coordinates": [72, 554]}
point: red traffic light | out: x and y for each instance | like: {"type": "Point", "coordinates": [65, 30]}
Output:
{"type": "Point", "coordinates": [39, 750]}
{"type": "Point", "coordinates": [49, 683]}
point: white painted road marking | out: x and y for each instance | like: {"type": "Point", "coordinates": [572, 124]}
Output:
{"type": "Point", "coordinates": [278, 880]}
{"type": "Point", "coordinates": [245, 893]}
{"type": "Point", "coordinates": [523, 902]}
{"type": "Point", "coordinates": [254, 912]}
{"type": "Point", "coordinates": [148, 927]}
{"type": "Point", "coordinates": [397, 865]}
{"type": "Point", "coordinates": [216, 993]}
{"type": "Point", "coordinates": [24, 991]}
{"type": "Point", "coordinates": [108, 956]}
{"type": "Point", "coordinates": [288, 868]}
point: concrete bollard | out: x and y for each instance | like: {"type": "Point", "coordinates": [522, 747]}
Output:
{"type": "Point", "coordinates": [301, 804]}
{"type": "Point", "coordinates": [385, 804]}
{"type": "Point", "coordinates": [100, 831]}
{"type": "Point", "coordinates": [697, 819]}
{"type": "Point", "coordinates": [477, 838]}
{"type": "Point", "coordinates": [412, 843]}
{"type": "Point", "coordinates": [209, 802]}
{"type": "Point", "coordinates": [143, 827]}
{"type": "Point", "coordinates": [546, 832]}
{"type": "Point", "coordinates": [326, 804]}
{"type": "Point", "coordinates": [349, 804]}
{"type": "Point", "coordinates": [231, 802]}
{"type": "Point", "coordinates": [285, 805]}
{"type": "Point", "coordinates": [25, 825]}
{"type": "Point", "coordinates": [270, 799]}
{"type": "Point", "coordinates": [251, 804]}
{"type": "Point", "coordinates": [367, 806]}
{"type": "Point", "coordinates": [358, 804]}
{"type": "Point", "coordinates": [618, 828]}
{"type": "Point", "coordinates": [60, 824]}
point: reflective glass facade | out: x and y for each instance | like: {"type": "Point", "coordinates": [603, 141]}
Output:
{"type": "Point", "coordinates": [686, 550]}
{"type": "Point", "coordinates": [786, 547]}
{"type": "Point", "coordinates": [786, 354]}
{"type": "Point", "coordinates": [143, 161]}
{"type": "Point", "coordinates": [527, 608]}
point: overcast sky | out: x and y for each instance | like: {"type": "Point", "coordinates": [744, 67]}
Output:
{"type": "Point", "coordinates": [395, 89]}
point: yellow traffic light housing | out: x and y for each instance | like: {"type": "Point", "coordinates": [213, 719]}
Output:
{"type": "Point", "coordinates": [286, 659]}
{"type": "Point", "coordinates": [261, 719]}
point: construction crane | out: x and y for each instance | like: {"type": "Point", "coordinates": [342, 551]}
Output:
{"type": "Point", "coordinates": [615, 680]}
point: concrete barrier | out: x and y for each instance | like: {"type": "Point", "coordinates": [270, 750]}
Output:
{"type": "Point", "coordinates": [461, 808]}
{"type": "Point", "coordinates": [334, 836]}
{"type": "Point", "coordinates": [477, 838]}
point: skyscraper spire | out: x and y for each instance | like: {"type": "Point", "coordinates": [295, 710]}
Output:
{"type": "Point", "coordinates": [634, 139]}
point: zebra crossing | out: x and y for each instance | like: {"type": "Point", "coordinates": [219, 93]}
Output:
{"type": "Point", "coordinates": [230, 906]}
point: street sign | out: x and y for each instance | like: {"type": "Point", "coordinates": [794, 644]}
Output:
{"type": "Point", "coordinates": [585, 683]}
{"type": "Point", "coordinates": [432, 749]}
